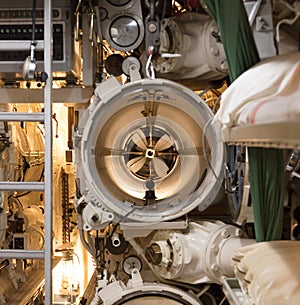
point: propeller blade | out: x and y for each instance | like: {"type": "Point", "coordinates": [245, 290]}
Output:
{"type": "Point", "coordinates": [107, 151]}
{"type": "Point", "coordinates": [163, 143]}
{"type": "Point", "coordinates": [139, 139]}
{"type": "Point", "coordinates": [160, 167]}
{"type": "Point", "coordinates": [136, 164]}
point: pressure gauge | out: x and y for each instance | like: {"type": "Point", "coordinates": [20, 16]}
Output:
{"type": "Point", "coordinates": [130, 263]}
{"type": "Point", "coordinates": [125, 32]}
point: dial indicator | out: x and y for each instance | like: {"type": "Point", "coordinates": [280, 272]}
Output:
{"type": "Point", "coordinates": [124, 31]}
{"type": "Point", "coordinates": [130, 263]}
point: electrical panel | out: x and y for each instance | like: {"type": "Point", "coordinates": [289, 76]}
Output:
{"type": "Point", "coordinates": [16, 36]}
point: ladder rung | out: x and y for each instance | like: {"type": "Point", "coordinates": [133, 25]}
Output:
{"type": "Point", "coordinates": [22, 116]}
{"type": "Point", "coordinates": [22, 186]}
{"type": "Point", "coordinates": [22, 254]}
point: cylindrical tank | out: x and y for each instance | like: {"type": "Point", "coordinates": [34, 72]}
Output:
{"type": "Point", "coordinates": [148, 152]}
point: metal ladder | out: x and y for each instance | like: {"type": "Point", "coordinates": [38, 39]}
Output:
{"type": "Point", "coordinates": [45, 186]}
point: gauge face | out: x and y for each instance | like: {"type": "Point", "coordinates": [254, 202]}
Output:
{"type": "Point", "coordinates": [130, 263]}
{"type": "Point", "coordinates": [118, 2]}
{"type": "Point", "coordinates": [103, 13]}
{"type": "Point", "coordinates": [124, 31]}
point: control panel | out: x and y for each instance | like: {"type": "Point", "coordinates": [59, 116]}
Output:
{"type": "Point", "coordinates": [16, 28]}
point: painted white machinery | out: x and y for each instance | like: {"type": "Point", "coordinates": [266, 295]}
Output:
{"type": "Point", "coordinates": [146, 157]}
{"type": "Point", "coordinates": [144, 153]}
{"type": "Point", "coordinates": [202, 255]}
{"type": "Point", "coordinates": [136, 291]}
{"type": "Point", "coordinates": [183, 56]}
{"type": "Point", "coordinates": [145, 194]}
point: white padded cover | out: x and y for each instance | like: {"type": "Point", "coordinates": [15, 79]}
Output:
{"type": "Point", "coordinates": [269, 272]}
{"type": "Point", "coordinates": [269, 92]}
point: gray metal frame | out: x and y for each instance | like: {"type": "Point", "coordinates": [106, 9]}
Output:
{"type": "Point", "coordinates": [39, 186]}
{"type": "Point", "coordinates": [48, 150]}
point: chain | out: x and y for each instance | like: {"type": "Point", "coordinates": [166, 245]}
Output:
{"type": "Point", "coordinates": [151, 35]}
{"type": "Point", "coordinates": [152, 24]}
{"type": "Point", "coordinates": [151, 6]}
{"type": "Point", "coordinates": [152, 9]}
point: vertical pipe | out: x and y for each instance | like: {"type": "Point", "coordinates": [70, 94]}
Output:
{"type": "Point", "coordinates": [70, 126]}
{"type": "Point", "coordinates": [48, 149]}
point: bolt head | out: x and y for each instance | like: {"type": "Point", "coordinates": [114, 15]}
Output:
{"type": "Point", "coordinates": [152, 27]}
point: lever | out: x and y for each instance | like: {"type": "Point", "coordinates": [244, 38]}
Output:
{"type": "Point", "coordinates": [77, 14]}
{"type": "Point", "coordinates": [29, 66]}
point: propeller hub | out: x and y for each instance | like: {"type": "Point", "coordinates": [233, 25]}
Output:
{"type": "Point", "coordinates": [150, 153]}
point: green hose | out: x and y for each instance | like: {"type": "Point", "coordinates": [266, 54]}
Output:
{"type": "Point", "coordinates": [265, 165]}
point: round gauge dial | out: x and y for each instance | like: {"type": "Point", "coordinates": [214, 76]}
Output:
{"type": "Point", "coordinates": [118, 2]}
{"type": "Point", "coordinates": [130, 263]}
{"type": "Point", "coordinates": [124, 31]}
{"type": "Point", "coordinates": [103, 13]}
